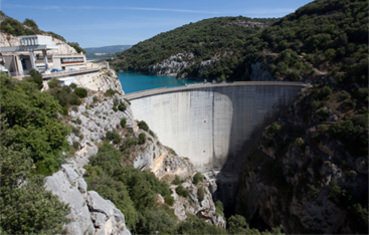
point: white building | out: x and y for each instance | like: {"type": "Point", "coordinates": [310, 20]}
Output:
{"type": "Point", "coordinates": [39, 52]}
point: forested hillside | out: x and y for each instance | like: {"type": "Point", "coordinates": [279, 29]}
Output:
{"type": "Point", "coordinates": [197, 46]}
{"type": "Point", "coordinates": [320, 38]}
{"type": "Point", "coordinates": [310, 170]}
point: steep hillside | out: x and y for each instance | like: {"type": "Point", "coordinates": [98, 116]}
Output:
{"type": "Point", "coordinates": [197, 46]}
{"type": "Point", "coordinates": [324, 37]}
{"type": "Point", "coordinates": [310, 172]}
{"type": "Point", "coordinates": [321, 39]}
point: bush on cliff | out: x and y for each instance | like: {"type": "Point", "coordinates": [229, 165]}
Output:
{"type": "Point", "coordinates": [131, 190]}
{"type": "Point", "coordinates": [30, 121]}
{"type": "Point", "coordinates": [32, 140]}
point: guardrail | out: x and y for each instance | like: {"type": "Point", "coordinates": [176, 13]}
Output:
{"type": "Point", "coordinates": [69, 73]}
{"type": "Point", "coordinates": [156, 91]}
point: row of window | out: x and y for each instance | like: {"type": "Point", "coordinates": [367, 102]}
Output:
{"type": "Point", "coordinates": [28, 41]}
{"type": "Point", "coordinates": [72, 60]}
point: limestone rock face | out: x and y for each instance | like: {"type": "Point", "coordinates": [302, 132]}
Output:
{"type": "Point", "coordinates": [102, 81]}
{"type": "Point", "coordinates": [173, 64]}
{"type": "Point", "coordinates": [90, 213]}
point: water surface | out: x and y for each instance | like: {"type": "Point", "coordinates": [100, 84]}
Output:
{"type": "Point", "coordinates": [133, 82]}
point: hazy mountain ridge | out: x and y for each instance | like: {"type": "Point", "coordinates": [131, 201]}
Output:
{"type": "Point", "coordinates": [105, 51]}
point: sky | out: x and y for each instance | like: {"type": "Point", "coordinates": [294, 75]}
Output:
{"type": "Point", "coordinates": [94, 23]}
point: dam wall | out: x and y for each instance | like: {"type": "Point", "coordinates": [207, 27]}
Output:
{"type": "Point", "coordinates": [209, 123]}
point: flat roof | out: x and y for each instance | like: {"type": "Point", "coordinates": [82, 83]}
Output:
{"type": "Point", "coordinates": [25, 48]}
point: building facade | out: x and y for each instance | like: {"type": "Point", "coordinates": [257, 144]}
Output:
{"type": "Point", "coordinates": [39, 52]}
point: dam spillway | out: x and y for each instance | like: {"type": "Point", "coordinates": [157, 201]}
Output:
{"type": "Point", "coordinates": [210, 122]}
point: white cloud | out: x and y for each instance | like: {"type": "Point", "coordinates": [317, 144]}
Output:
{"type": "Point", "coordinates": [251, 12]}
{"type": "Point", "coordinates": [55, 7]}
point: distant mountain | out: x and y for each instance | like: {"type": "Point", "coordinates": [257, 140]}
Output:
{"type": "Point", "coordinates": [104, 52]}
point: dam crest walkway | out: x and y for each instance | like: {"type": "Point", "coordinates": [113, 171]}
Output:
{"type": "Point", "coordinates": [157, 91]}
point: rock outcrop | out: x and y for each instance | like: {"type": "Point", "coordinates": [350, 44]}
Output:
{"type": "Point", "coordinates": [303, 178]}
{"type": "Point", "coordinates": [172, 65]}
{"type": "Point", "coordinates": [90, 122]}
{"type": "Point", "coordinates": [90, 213]}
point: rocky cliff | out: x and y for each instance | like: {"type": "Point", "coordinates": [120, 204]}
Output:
{"type": "Point", "coordinates": [303, 177]}
{"type": "Point", "coordinates": [90, 122]}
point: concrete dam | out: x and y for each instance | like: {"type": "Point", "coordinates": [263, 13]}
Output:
{"type": "Point", "coordinates": [209, 123]}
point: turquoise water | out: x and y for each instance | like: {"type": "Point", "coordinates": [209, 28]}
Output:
{"type": "Point", "coordinates": [132, 82]}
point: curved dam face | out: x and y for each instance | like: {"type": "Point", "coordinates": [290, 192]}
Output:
{"type": "Point", "coordinates": [210, 123]}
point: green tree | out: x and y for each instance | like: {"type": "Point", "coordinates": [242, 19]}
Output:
{"type": "Point", "coordinates": [80, 92]}
{"type": "Point", "coordinates": [31, 23]}
{"type": "Point", "coordinates": [36, 78]}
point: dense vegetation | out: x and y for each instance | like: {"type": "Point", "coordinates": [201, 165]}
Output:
{"type": "Point", "coordinates": [67, 96]}
{"type": "Point", "coordinates": [325, 42]}
{"type": "Point", "coordinates": [209, 39]}
{"type": "Point", "coordinates": [32, 141]}
{"type": "Point", "coordinates": [322, 37]}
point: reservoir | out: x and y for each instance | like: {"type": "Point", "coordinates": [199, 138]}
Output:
{"type": "Point", "coordinates": [133, 82]}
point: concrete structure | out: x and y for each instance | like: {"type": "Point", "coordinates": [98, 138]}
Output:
{"type": "Point", "coordinates": [211, 123]}
{"type": "Point", "coordinates": [39, 52]}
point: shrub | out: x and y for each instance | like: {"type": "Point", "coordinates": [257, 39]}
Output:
{"type": "Point", "coordinates": [31, 23]}
{"type": "Point", "coordinates": [195, 225]}
{"type": "Point", "coordinates": [347, 105]}
{"type": "Point", "coordinates": [76, 46]}
{"type": "Point", "coordinates": [122, 107]}
{"type": "Point", "coordinates": [76, 145]}
{"type": "Point", "coordinates": [75, 100]}
{"type": "Point", "coordinates": [322, 113]}
{"type": "Point", "coordinates": [141, 138]}
{"type": "Point", "coordinates": [152, 133]}
{"type": "Point", "coordinates": [169, 200]}
{"type": "Point", "coordinates": [130, 141]}
{"type": "Point", "coordinates": [73, 85]}
{"type": "Point", "coordinates": [200, 194]}
{"type": "Point", "coordinates": [197, 178]}
{"type": "Point", "coordinates": [53, 83]}
{"type": "Point", "coordinates": [182, 191]}
{"type": "Point", "coordinates": [123, 122]}
{"type": "Point", "coordinates": [142, 125]}
{"type": "Point", "coordinates": [109, 93]}
{"type": "Point", "coordinates": [36, 78]}
{"type": "Point", "coordinates": [176, 180]}
{"type": "Point", "coordinates": [113, 136]}
{"type": "Point", "coordinates": [219, 207]}
{"type": "Point", "coordinates": [81, 92]}
{"type": "Point", "coordinates": [95, 99]}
